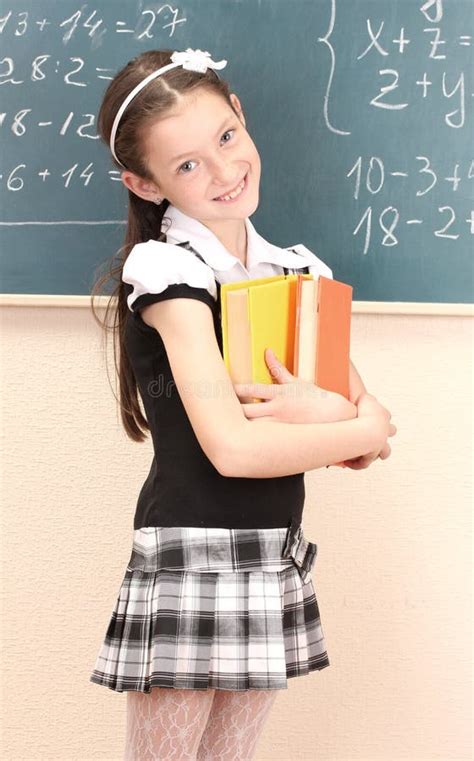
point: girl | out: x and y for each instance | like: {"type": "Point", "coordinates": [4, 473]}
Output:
{"type": "Point", "coordinates": [217, 607]}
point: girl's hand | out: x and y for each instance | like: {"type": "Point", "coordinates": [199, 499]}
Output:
{"type": "Point", "coordinates": [362, 462]}
{"type": "Point", "coordinates": [292, 400]}
{"type": "Point", "coordinates": [367, 406]}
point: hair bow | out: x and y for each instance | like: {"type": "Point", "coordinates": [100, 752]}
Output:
{"type": "Point", "coordinates": [196, 60]}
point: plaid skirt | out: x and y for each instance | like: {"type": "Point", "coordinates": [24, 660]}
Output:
{"type": "Point", "coordinates": [214, 608]}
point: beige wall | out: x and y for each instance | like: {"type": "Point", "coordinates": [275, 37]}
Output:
{"type": "Point", "coordinates": [392, 574]}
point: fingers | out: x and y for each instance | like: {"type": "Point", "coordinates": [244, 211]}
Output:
{"type": "Point", "coordinates": [256, 409]}
{"type": "Point", "coordinates": [256, 390]}
{"type": "Point", "coordinates": [357, 463]}
{"type": "Point", "coordinates": [277, 368]}
{"type": "Point", "coordinates": [266, 418]}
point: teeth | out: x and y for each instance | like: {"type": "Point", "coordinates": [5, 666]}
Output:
{"type": "Point", "coordinates": [234, 193]}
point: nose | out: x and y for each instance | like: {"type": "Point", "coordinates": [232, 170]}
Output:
{"type": "Point", "coordinates": [226, 175]}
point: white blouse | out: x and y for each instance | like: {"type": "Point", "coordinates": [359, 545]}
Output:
{"type": "Point", "coordinates": [152, 266]}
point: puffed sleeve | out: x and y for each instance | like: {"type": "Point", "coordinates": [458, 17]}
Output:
{"type": "Point", "coordinates": [316, 266]}
{"type": "Point", "coordinates": [157, 271]}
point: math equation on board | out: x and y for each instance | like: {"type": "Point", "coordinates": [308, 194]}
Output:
{"type": "Point", "coordinates": [74, 84]}
{"type": "Point", "coordinates": [371, 175]}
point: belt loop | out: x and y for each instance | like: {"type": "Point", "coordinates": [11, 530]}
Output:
{"type": "Point", "coordinates": [293, 531]}
{"type": "Point", "coordinates": [301, 550]}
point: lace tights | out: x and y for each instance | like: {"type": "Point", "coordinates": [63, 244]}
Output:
{"type": "Point", "coordinates": [195, 725]}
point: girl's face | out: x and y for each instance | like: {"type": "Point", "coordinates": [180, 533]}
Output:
{"type": "Point", "coordinates": [199, 153]}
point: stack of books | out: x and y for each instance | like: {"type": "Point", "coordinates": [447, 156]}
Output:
{"type": "Point", "coordinates": [306, 322]}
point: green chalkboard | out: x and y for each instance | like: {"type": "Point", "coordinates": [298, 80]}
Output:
{"type": "Point", "coordinates": [361, 111]}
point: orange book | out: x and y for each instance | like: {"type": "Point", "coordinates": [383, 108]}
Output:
{"type": "Point", "coordinates": [333, 335]}
{"type": "Point", "coordinates": [322, 334]}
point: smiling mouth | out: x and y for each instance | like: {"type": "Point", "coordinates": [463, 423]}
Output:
{"type": "Point", "coordinates": [234, 193]}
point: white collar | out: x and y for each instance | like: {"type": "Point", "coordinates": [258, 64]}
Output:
{"type": "Point", "coordinates": [185, 228]}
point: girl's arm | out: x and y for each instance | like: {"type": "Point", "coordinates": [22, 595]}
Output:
{"type": "Point", "coordinates": [233, 444]}
{"type": "Point", "coordinates": [272, 449]}
{"type": "Point", "coordinates": [292, 400]}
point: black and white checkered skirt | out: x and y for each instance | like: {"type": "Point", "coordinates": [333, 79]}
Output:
{"type": "Point", "coordinates": [217, 608]}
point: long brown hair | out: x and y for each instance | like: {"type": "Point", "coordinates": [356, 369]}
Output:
{"type": "Point", "coordinates": [145, 218]}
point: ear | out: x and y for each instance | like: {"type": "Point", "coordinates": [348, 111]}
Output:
{"type": "Point", "coordinates": [238, 107]}
{"type": "Point", "coordinates": [145, 189]}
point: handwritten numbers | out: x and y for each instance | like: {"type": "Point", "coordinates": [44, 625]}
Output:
{"type": "Point", "coordinates": [85, 174]}
{"type": "Point", "coordinates": [15, 183]}
{"type": "Point", "coordinates": [389, 239]}
{"type": "Point", "coordinates": [371, 175]}
{"type": "Point", "coordinates": [9, 65]}
{"type": "Point", "coordinates": [18, 128]}
{"type": "Point", "coordinates": [452, 216]}
{"type": "Point", "coordinates": [367, 218]}
{"type": "Point", "coordinates": [426, 169]}
{"type": "Point", "coordinates": [375, 176]}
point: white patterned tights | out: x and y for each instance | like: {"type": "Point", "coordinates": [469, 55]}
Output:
{"type": "Point", "coordinates": [195, 725]}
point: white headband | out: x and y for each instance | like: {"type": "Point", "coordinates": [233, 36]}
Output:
{"type": "Point", "coordinates": [194, 60]}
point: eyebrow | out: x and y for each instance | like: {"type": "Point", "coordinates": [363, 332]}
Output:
{"type": "Point", "coordinates": [189, 153]}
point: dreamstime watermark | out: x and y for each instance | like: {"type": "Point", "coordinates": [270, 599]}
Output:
{"type": "Point", "coordinates": [205, 389]}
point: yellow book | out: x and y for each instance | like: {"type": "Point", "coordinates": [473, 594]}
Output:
{"type": "Point", "coordinates": [238, 340]}
{"type": "Point", "coordinates": [225, 289]}
{"type": "Point", "coordinates": [269, 305]}
{"type": "Point", "coordinates": [270, 326]}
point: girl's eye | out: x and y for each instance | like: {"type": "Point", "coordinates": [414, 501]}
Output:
{"type": "Point", "coordinates": [191, 162]}
{"type": "Point", "coordinates": [227, 132]}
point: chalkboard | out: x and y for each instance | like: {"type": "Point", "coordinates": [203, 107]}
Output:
{"type": "Point", "coordinates": [361, 111]}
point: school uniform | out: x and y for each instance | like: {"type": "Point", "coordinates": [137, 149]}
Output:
{"type": "Point", "coordinates": [218, 592]}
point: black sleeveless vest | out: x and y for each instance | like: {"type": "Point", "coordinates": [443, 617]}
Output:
{"type": "Point", "coordinates": [183, 488]}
